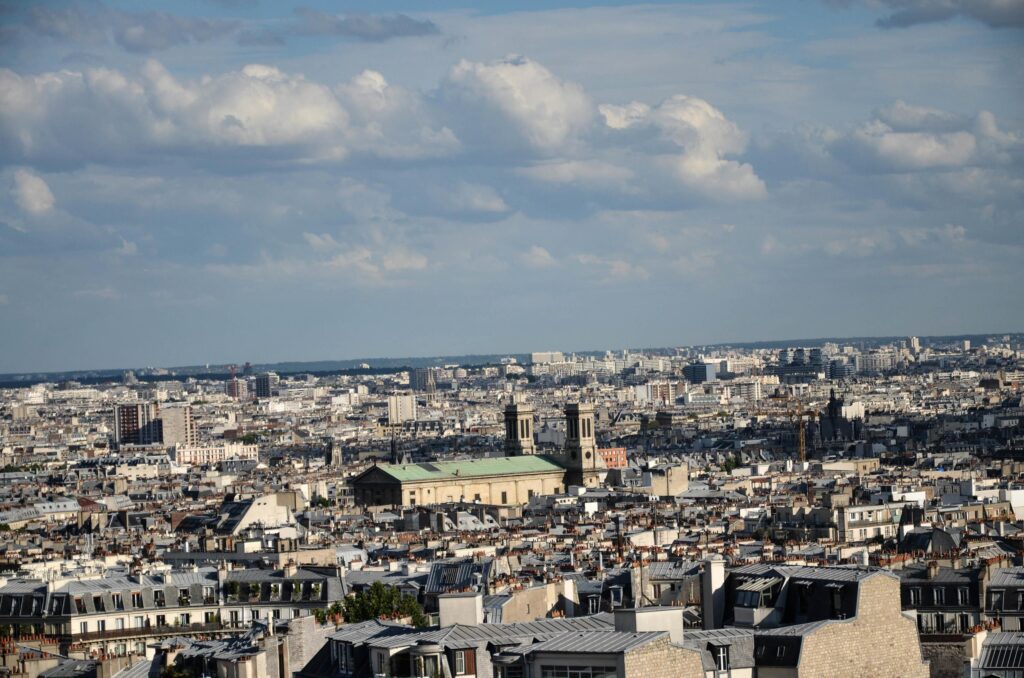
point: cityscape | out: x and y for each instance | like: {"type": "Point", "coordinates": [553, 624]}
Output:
{"type": "Point", "coordinates": [562, 339]}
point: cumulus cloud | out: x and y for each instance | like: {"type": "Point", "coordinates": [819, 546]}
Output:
{"type": "Point", "coordinates": [75, 117]}
{"type": "Point", "coordinates": [31, 193]}
{"type": "Point", "coordinates": [393, 122]}
{"type": "Point", "coordinates": [706, 138]}
{"type": "Point", "coordinates": [104, 115]}
{"type": "Point", "coordinates": [518, 95]}
{"type": "Point", "coordinates": [905, 138]}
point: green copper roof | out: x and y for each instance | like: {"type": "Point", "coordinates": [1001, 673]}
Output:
{"type": "Point", "coordinates": [493, 466]}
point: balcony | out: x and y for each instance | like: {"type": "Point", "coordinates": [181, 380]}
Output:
{"type": "Point", "coordinates": [153, 630]}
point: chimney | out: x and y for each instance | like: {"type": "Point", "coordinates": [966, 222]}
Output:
{"type": "Point", "coordinates": [932, 570]}
{"type": "Point", "coordinates": [712, 583]}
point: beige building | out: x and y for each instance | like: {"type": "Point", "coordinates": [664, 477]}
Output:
{"type": "Point", "coordinates": [213, 454]}
{"type": "Point", "coordinates": [503, 480]}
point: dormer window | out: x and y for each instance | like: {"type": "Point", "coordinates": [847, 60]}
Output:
{"type": "Point", "coordinates": [721, 656]}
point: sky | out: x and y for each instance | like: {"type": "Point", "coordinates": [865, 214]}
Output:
{"type": "Point", "coordinates": [211, 181]}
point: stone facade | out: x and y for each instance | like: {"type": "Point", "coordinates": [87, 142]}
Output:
{"type": "Point", "coordinates": [662, 658]}
{"type": "Point", "coordinates": [878, 642]}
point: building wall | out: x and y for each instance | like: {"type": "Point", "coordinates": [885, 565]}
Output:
{"type": "Point", "coordinates": [662, 658]}
{"type": "Point", "coordinates": [878, 642]}
{"type": "Point", "coordinates": [517, 489]}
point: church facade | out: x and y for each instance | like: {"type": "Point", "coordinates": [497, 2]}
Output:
{"type": "Point", "coordinates": [509, 480]}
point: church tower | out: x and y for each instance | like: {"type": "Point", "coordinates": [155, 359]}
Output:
{"type": "Point", "coordinates": [519, 430]}
{"type": "Point", "coordinates": [580, 457]}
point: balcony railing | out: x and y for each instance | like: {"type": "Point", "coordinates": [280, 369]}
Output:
{"type": "Point", "coordinates": [157, 630]}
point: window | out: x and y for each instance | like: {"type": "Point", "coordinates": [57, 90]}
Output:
{"type": "Point", "coordinates": [119, 624]}
{"type": "Point", "coordinates": [504, 497]}
{"type": "Point", "coordinates": [137, 622]}
{"type": "Point", "coordinates": [460, 662]}
{"type": "Point", "coordinates": [136, 599]}
{"type": "Point", "coordinates": [963, 596]}
{"type": "Point", "coordinates": [722, 657]}
{"type": "Point", "coordinates": [939, 594]}
{"type": "Point", "coordinates": [101, 625]}
{"type": "Point", "coordinates": [996, 600]}
{"type": "Point", "coordinates": [1020, 600]}
{"type": "Point", "coordinates": [965, 623]}
{"type": "Point", "coordinates": [837, 602]}
{"type": "Point", "coordinates": [577, 671]}
{"type": "Point", "coordinates": [140, 648]}
{"type": "Point", "coordinates": [83, 627]}
{"type": "Point", "coordinates": [781, 651]}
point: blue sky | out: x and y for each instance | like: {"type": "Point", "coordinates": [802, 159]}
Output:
{"type": "Point", "coordinates": [238, 180]}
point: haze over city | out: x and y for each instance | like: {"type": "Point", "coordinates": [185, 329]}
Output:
{"type": "Point", "coordinates": [198, 181]}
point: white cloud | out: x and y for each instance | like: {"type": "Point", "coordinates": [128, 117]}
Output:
{"type": "Point", "coordinates": [705, 136]}
{"type": "Point", "coordinates": [611, 269]}
{"type": "Point", "coordinates": [477, 198]}
{"type": "Point", "coordinates": [902, 116]}
{"type": "Point", "coordinates": [545, 111]}
{"type": "Point", "coordinates": [905, 138]}
{"type": "Point", "coordinates": [537, 257]}
{"type": "Point", "coordinates": [32, 193]}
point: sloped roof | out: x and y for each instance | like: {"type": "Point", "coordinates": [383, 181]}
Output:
{"type": "Point", "coordinates": [441, 470]}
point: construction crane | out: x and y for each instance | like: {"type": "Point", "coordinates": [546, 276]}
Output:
{"type": "Point", "coordinates": [801, 436]}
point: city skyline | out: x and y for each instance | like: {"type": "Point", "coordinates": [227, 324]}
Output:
{"type": "Point", "coordinates": [202, 181]}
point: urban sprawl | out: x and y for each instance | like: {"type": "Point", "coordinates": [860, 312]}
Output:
{"type": "Point", "coordinates": [841, 508]}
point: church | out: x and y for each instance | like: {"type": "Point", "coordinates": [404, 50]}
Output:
{"type": "Point", "coordinates": [512, 479]}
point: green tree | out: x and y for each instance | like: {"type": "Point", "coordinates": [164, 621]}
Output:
{"type": "Point", "coordinates": [383, 601]}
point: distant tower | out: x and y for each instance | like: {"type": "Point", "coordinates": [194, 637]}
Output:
{"type": "Point", "coordinates": [580, 445]}
{"type": "Point", "coordinates": [519, 430]}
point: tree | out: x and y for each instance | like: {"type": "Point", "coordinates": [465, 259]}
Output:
{"type": "Point", "coordinates": [383, 601]}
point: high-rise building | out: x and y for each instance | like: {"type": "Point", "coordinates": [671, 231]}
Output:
{"type": "Point", "coordinates": [519, 430]}
{"type": "Point", "coordinates": [137, 424]}
{"type": "Point", "coordinates": [401, 407]}
{"type": "Point", "coordinates": [914, 344]}
{"type": "Point", "coordinates": [236, 388]}
{"type": "Point", "coordinates": [698, 373]}
{"type": "Point", "coordinates": [841, 369]}
{"type": "Point", "coordinates": [177, 425]}
{"type": "Point", "coordinates": [266, 384]}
